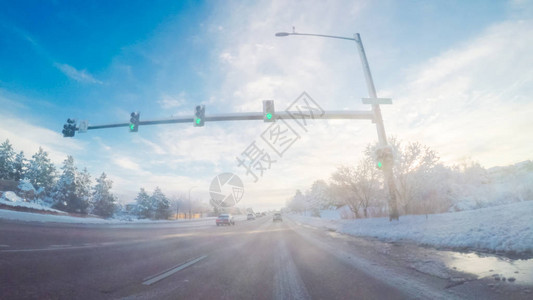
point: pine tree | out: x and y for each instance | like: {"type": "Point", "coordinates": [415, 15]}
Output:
{"type": "Point", "coordinates": [41, 172]}
{"type": "Point", "coordinates": [83, 188]}
{"type": "Point", "coordinates": [7, 158]}
{"type": "Point", "coordinates": [66, 192]}
{"type": "Point", "coordinates": [103, 201]}
{"type": "Point", "coordinates": [144, 205]}
{"type": "Point", "coordinates": [20, 166]}
{"type": "Point", "coordinates": [160, 204]}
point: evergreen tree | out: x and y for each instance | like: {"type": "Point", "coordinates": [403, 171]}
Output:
{"type": "Point", "coordinates": [41, 172]}
{"type": "Point", "coordinates": [83, 189]}
{"type": "Point", "coordinates": [20, 166]}
{"type": "Point", "coordinates": [103, 201]}
{"type": "Point", "coordinates": [160, 204]}
{"type": "Point", "coordinates": [66, 192]}
{"type": "Point", "coordinates": [144, 205]}
{"type": "Point", "coordinates": [7, 158]}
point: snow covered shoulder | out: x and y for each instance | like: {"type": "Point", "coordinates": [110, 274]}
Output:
{"type": "Point", "coordinates": [505, 228]}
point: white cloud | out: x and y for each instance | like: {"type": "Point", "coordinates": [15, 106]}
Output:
{"type": "Point", "coordinates": [226, 57]}
{"type": "Point", "coordinates": [28, 137]}
{"type": "Point", "coordinates": [168, 101]}
{"type": "Point", "coordinates": [80, 76]}
{"type": "Point", "coordinates": [472, 101]}
{"type": "Point", "coordinates": [154, 147]}
{"type": "Point", "coordinates": [101, 144]}
{"type": "Point", "coordinates": [126, 163]}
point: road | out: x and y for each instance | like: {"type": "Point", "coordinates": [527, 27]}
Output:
{"type": "Point", "coordinates": [256, 259]}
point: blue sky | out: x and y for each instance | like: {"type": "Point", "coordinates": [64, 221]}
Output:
{"type": "Point", "coordinates": [459, 73]}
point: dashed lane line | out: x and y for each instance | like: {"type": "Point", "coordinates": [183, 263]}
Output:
{"type": "Point", "coordinates": [153, 279]}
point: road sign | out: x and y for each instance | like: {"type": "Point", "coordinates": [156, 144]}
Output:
{"type": "Point", "coordinates": [82, 127]}
{"type": "Point", "coordinates": [377, 101]}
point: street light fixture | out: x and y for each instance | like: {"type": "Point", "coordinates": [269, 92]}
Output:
{"type": "Point", "coordinates": [387, 171]}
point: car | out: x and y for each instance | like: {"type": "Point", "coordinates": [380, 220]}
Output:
{"type": "Point", "coordinates": [250, 217]}
{"type": "Point", "coordinates": [225, 219]}
{"type": "Point", "coordinates": [277, 217]}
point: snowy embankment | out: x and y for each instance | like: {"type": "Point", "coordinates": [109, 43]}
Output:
{"type": "Point", "coordinates": [505, 228]}
{"type": "Point", "coordinates": [12, 200]}
{"type": "Point", "coordinates": [37, 217]}
{"type": "Point", "coordinates": [40, 212]}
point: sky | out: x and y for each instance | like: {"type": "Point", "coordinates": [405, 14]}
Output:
{"type": "Point", "coordinates": [460, 74]}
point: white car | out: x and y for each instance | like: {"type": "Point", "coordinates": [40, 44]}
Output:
{"type": "Point", "coordinates": [225, 219]}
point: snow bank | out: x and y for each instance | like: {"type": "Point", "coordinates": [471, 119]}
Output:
{"type": "Point", "coordinates": [505, 228]}
{"type": "Point", "coordinates": [36, 217]}
{"type": "Point", "coordinates": [26, 186]}
{"type": "Point", "coordinates": [11, 199]}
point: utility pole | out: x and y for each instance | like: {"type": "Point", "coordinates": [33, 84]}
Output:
{"type": "Point", "coordinates": [376, 111]}
{"type": "Point", "coordinates": [380, 127]}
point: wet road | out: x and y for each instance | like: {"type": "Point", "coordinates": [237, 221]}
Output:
{"type": "Point", "coordinates": [253, 260]}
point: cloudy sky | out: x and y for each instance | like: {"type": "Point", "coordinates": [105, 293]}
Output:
{"type": "Point", "coordinates": [460, 74]}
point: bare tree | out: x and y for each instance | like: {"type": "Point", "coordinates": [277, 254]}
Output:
{"type": "Point", "coordinates": [359, 187]}
{"type": "Point", "coordinates": [412, 163]}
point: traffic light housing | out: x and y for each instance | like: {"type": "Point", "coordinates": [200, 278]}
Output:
{"type": "Point", "coordinates": [199, 115]}
{"type": "Point", "coordinates": [134, 121]}
{"type": "Point", "coordinates": [384, 157]}
{"type": "Point", "coordinates": [69, 129]}
{"type": "Point", "coordinates": [268, 111]}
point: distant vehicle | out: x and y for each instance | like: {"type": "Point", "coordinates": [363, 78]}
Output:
{"type": "Point", "coordinates": [263, 214]}
{"type": "Point", "coordinates": [277, 217]}
{"type": "Point", "coordinates": [250, 217]}
{"type": "Point", "coordinates": [225, 219]}
{"type": "Point", "coordinates": [258, 215]}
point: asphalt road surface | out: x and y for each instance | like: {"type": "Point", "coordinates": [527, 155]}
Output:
{"type": "Point", "coordinates": [256, 259]}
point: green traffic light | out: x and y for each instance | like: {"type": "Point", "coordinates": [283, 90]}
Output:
{"type": "Point", "coordinates": [132, 126]}
{"type": "Point", "coordinates": [269, 116]}
{"type": "Point", "coordinates": [198, 121]}
{"type": "Point", "coordinates": [380, 164]}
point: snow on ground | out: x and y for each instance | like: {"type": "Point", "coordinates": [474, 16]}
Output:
{"type": "Point", "coordinates": [505, 228]}
{"type": "Point", "coordinates": [11, 199]}
{"type": "Point", "coordinates": [36, 217]}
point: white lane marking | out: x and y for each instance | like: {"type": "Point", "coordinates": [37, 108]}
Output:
{"type": "Point", "coordinates": [287, 281]}
{"type": "Point", "coordinates": [165, 274]}
{"type": "Point", "coordinates": [4, 246]}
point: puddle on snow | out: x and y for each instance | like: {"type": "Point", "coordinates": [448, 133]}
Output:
{"type": "Point", "coordinates": [488, 266]}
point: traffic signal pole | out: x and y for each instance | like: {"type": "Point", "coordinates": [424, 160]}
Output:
{"type": "Point", "coordinates": [247, 116]}
{"type": "Point", "coordinates": [380, 127]}
{"type": "Point", "coordinates": [375, 101]}
{"type": "Point", "coordinates": [374, 115]}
